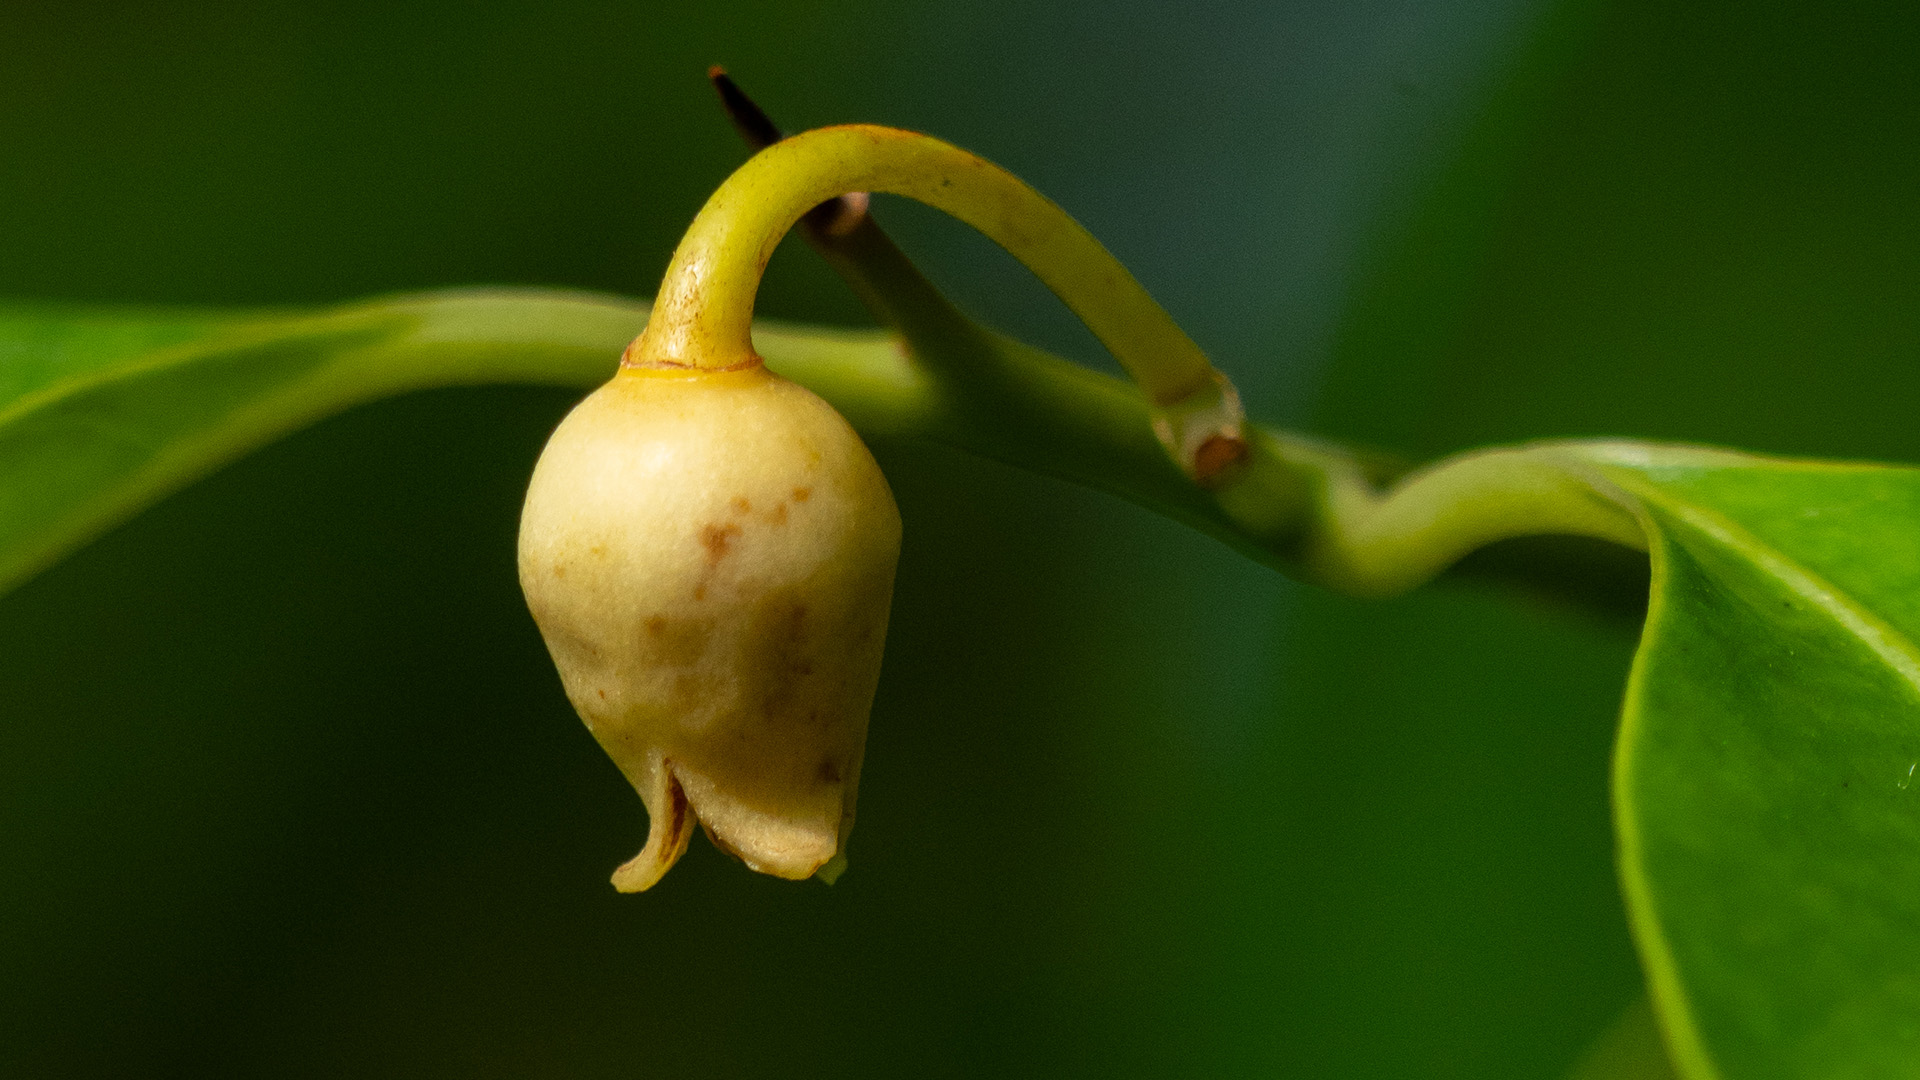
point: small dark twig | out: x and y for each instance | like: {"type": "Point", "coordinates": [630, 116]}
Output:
{"type": "Point", "coordinates": [754, 125]}
{"type": "Point", "coordinates": [825, 223]}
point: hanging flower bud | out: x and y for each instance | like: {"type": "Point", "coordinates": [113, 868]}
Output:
{"type": "Point", "coordinates": [709, 549]}
{"type": "Point", "coordinates": [710, 556]}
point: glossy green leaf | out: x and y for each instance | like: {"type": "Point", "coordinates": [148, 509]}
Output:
{"type": "Point", "coordinates": [1765, 806]}
{"type": "Point", "coordinates": [102, 411]}
{"type": "Point", "coordinates": [1768, 819]}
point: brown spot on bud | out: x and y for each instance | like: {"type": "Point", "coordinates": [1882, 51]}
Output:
{"type": "Point", "coordinates": [802, 494]}
{"type": "Point", "coordinates": [718, 539]}
{"type": "Point", "coordinates": [741, 505]}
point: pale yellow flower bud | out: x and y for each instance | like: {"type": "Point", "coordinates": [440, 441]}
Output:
{"type": "Point", "coordinates": [710, 557]}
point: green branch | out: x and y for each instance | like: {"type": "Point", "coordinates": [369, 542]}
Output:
{"type": "Point", "coordinates": [1763, 770]}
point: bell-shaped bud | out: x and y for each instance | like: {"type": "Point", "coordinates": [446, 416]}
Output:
{"type": "Point", "coordinates": [710, 556]}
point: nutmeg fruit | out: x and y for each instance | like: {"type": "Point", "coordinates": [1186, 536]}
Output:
{"type": "Point", "coordinates": [709, 555]}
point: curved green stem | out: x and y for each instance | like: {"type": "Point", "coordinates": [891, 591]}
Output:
{"type": "Point", "coordinates": [1310, 506]}
{"type": "Point", "coordinates": [1313, 506]}
{"type": "Point", "coordinates": [1308, 503]}
{"type": "Point", "coordinates": [703, 314]}
{"type": "Point", "coordinates": [1370, 543]}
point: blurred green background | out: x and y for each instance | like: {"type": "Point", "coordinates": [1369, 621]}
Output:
{"type": "Point", "coordinates": [287, 784]}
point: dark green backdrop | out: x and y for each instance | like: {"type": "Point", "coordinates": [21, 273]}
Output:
{"type": "Point", "coordinates": [288, 787]}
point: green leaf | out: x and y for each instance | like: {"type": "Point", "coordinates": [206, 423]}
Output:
{"type": "Point", "coordinates": [102, 412]}
{"type": "Point", "coordinates": [1768, 819]}
{"type": "Point", "coordinates": [1766, 806]}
